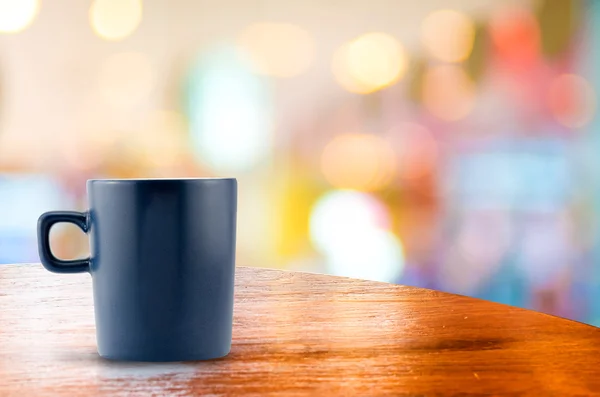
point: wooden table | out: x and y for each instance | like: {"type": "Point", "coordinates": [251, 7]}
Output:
{"type": "Point", "coordinates": [302, 334]}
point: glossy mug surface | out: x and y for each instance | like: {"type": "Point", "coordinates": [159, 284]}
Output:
{"type": "Point", "coordinates": [162, 263]}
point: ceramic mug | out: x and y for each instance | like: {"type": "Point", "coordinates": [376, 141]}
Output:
{"type": "Point", "coordinates": [162, 264]}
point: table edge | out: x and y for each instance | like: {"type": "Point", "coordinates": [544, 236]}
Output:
{"type": "Point", "coordinates": [352, 279]}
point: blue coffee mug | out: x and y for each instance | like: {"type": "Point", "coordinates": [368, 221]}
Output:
{"type": "Point", "coordinates": [162, 264]}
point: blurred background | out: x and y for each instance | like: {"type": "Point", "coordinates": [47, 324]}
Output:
{"type": "Point", "coordinates": [445, 144]}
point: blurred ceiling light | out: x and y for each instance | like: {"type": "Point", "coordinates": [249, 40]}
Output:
{"type": "Point", "coordinates": [339, 213]}
{"type": "Point", "coordinates": [516, 34]}
{"type": "Point", "coordinates": [369, 63]}
{"type": "Point", "coordinates": [16, 15]}
{"type": "Point", "coordinates": [126, 79]}
{"type": "Point", "coordinates": [278, 49]}
{"type": "Point", "coordinates": [229, 114]}
{"type": "Point", "coordinates": [115, 19]}
{"type": "Point", "coordinates": [416, 150]}
{"type": "Point", "coordinates": [448, 92]}
{"type": "Point", "coordinates": [351, 229]}
{"type": "Point", "coordinates": [572, 100]}
{"type": "Point", "coordinates": [375, 255]}
{"type": "Point", "coordinates": [341, 72]}
{"type": "Point", "coordinates": [448, 35]}
{"type": "Point", "coordinates": [358, 161]}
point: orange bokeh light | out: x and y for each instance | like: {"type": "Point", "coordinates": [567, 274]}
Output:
{"type": "Point", "coordinates": [448, 92]}
{"type": "Point", "coordinates": [369, 63]}
{"type": "Point", "coordinates": [448, 35]}
{"type": "Point", "coordinates": [358, 161]}
{"type": "Point", "coordinates": [516, 35]}
{"type": "Point", "coordinates": [115, 19]}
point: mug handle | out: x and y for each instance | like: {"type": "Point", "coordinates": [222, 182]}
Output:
{"type": "Point", "coordinates": [49, 261]}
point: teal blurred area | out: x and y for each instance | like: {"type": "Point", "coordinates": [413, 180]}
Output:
{"type": "Point", "coordinates": [444, 144]}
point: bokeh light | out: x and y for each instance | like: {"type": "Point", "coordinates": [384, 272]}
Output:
{"type": "Point", "coordinates": [358, 161]}
{"type": "Point", "coordinates": [115, 19]}
{"type": "Point", "coordinates": [448, 35]}
{"type": "Point", "coordinates": [416, 150]}
{"type": "Point", "coordinates": [339, 213]}
{"type": "Point", "coordinates": [448, 92]}
{"type": "Point", "coordinates": [229, 113]}
{"type": "Point", "coordinates": [278, 49]}
{"type": "Point", "coordinates": [341, 72]}
{"type": "Point", "coordinates": [516, 35]}
{"type": "Point", "coordinates": [572, 100]}
{"type": "Point", "coordinates": [126, 79]}
{"type": "Point", "coordinates": [369, 63]}
{"type": "Point", "coordinates": [351, 229]}
{"type": "Point", "coordinates": [374, 255]}
{"type": "Point", "coordinates": [17, 15]}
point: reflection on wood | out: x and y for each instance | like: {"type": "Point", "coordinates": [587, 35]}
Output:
{"type": "Point", "coordinates": [299, 333]}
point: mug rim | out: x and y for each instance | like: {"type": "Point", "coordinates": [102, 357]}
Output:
{"type": "Point", "coordinates": [190, 179]}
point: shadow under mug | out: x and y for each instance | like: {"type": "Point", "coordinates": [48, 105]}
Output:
{"type": "Point", "coordinates": [162, 264]}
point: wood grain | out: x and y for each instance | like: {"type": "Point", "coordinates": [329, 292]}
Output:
{"type": "Point", "coordinates": [302, 334]}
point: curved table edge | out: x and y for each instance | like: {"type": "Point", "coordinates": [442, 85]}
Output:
{"type": "Point", "coordinates": [351, 279]}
